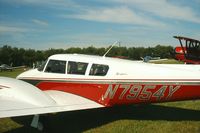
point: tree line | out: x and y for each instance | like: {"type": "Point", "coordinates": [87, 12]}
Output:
{"type": "Point", "coordinates": [19, 56]}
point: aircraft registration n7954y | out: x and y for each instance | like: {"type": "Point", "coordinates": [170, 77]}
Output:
{"type": "Point", "coordinates": [67, 82]}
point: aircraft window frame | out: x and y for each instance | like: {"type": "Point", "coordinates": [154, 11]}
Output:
{"type": "Point", "coordinates": [99, 70]}
{"type": "Point", "coordinates": [56, 66]}
{"type": "Point", "coordinates": [77, 68]}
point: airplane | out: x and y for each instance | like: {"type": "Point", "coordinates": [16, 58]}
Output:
{"type": "Point", "coordinates": [188, 52]}
{"type": "Point", "coordinates": [5, 67]}
{"type": "Point", "coordinates": [152, 59]}
{"type": "Point", "coordinates": [68, 82]}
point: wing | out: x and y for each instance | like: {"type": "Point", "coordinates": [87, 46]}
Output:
{"type": "Point", "coordinates": [18, 98]}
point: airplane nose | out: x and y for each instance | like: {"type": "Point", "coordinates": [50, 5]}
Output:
{"type": "Point", "coordinates": [20, 76]}
{"type": "Point", "coordinates": [23, 74]}
{"type": "Point", "coordinates": [29, 73]}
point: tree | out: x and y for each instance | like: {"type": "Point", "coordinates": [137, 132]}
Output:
{"type": "Point", "coordinates": [20, 56]}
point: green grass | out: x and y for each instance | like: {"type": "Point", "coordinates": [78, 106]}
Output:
{"type": "Point", "coordinates": [168, 61]}
{"type": "Point", "coordinates": [12, 74]}
{"type": "Point", "coordinates": [175, 117]}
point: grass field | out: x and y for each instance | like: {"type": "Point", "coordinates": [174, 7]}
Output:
{"type": "Point", "coordinates": [12, 74]}
{"type": "Point", "coordinates": [178, 117]}
{"type": "Point", "coordinates": [168, 61]}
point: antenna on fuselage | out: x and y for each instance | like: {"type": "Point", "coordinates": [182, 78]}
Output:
{"type": "Point", "coordinates": [110, 48]}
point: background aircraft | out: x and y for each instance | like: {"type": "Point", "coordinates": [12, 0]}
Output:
{"type": "Point", "coordinates": [189, 51]}
{"type": "Point", "coordinates": [5, 67]}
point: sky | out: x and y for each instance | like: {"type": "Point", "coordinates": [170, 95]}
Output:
{"type": "Point", "coordinates": [44, 24]}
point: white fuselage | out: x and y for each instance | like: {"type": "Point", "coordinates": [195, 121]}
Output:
{"type": "Point", "coordinates": [111, 81]}
{"type": "Point", "coordinates": [118, 69]}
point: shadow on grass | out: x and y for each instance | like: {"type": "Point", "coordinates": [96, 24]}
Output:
{"type": "Point", "coordinates": [78, 121]}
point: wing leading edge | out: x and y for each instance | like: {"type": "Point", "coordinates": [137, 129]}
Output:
{"type": "Point", "coordinates": [19, 98]}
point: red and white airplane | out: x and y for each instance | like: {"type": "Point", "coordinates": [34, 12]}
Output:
{"type": "Point", "coordinates": [67, 82]}
{"type": "Point", "coordinates": [188, 51]}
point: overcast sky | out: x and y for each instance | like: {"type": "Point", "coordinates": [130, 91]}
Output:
{"type": "Point", "coordinates": [44, 24]}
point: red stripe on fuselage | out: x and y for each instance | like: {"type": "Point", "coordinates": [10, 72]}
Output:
{"type": "Point", "coordinates": [113, 93]}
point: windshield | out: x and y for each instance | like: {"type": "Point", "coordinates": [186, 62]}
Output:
{"type": "Point", "coordinates": [41, 67]}
{"type": "Point", "coordinates": [56, 66]}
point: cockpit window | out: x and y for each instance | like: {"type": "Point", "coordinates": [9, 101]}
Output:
{"type": "Point", "coordinates": [76, 68]}
{"type": "Point", "coordinates": [41, 67]}
{"type": "Point", "coordinates": [56, 66]}
{"type": "Point", "coordinates": [99, 70]}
